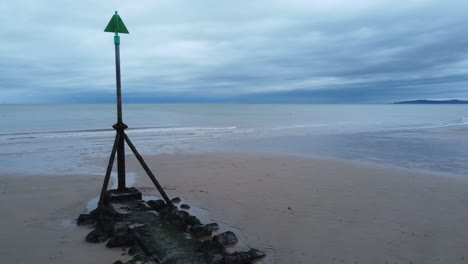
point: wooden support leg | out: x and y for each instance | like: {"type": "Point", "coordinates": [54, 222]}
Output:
{"type": "Point", "coordinates": [109, 170]}
{"type": "Point", "coordinates": [148, 171]}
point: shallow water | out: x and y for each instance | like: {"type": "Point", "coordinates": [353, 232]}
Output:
{"type": "Point", "coordinates": [63, 139]}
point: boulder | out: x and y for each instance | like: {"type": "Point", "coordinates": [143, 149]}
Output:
{"type": "Point", "coordinates": [243, 257]}
{"type": "Point", "coordinates": [97, 236]}
{"type": "Point", "coordinates": [106, 223]}
{"type": "Point", "coordinates": [142, 206]}
{"type": "Point", "coordinates": [238, 258]}
{"type": "Point", "coordinates": [212, 226]}
{"type": "Point", "coordinates": [121, 240]}
{"type": "Point", "coordinates": [256, 254]}
{"type": "Point", "coordinates": [192, 220]}
{"type": "Point", "coordinates": [120, 227]}
{"type": "Point", "coordinates": [211, 247]}
{"type": "Point", "coordinates": [200, 231]}
{"type": "Point", "coordinates": [157, 205]}
{"type": "Point", "coordinates": [185, 206]}
{"type": "Point", "coordinates": [173, 215]}
{"type": "Point", "coordinates": [134, 250]}
{"type": "Point", "coordinates": [176, 200]}
{"type": "Point", "coordinates": [85, 219]}
{"type": "Point", "coordinates": [227, 238]}
{"type": "Point", "coordinates": [181, 214]}
{"type": "Point", "coordinates": [179, 224]}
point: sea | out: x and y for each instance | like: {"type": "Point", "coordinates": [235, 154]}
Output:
{"type": "Point", "coordinates": [65, 139]}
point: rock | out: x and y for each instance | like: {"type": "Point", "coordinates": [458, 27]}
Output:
{"type": "Point", "coordinates": [211, 247]}
{"type": "Point", "coordinates": [122, 240]}
{"type": "Point", "coordinates": [217, 259]}
{"type": "Point", "coordinates": [164, 214]}
{"type": "Point", "coordinates": [126, 195]}
{"type": "Point", "coordinates": [212, 226]}
{"type": "Point", "coordinates": [142, 259]}
{"type": "Point", "coordinates": [141, 229]}
{"type": "Point", "coordinates": [185, 206]}
{"type": "Point", "coordinates": [256, 254]}
{"type": "Point", "coordinates": [181, 214]}
{"type": "Point", "coordinates": [227, 238]}
{"type": "Point", "coordinates": [179, 224]}
{"type": "Point", "coordinates": [173, 215]}
{"type": "Point", "coordinates": [143, 206]}
{"type": "Point", "coordinates": [134, 250]}
{"type": "Point", "coordinates": [104, 210]}
{"type": "Point", "coordinates": [192, 220]}
{"type": "Point", "coordinates": [157, 205]}
{"type": "Point", "coordinates": [200, 231]}
{"type": "Point", "coordinates": [85, 219]}
{"type": "Point", "coordinates": [97, 236]}
{"type": "Point", "coordinates": [238, 258]}
{"type": "Point", "coordinates": [118, 262]}
{"type": "Point", "coordinates": [120, 227]}
{"type": "Point", "coordinates": [106, 223]}
{"type": "Point", "coordinates": [176, 200]}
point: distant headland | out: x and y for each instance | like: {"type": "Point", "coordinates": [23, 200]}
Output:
{"type": "Point", "coordinates": [433, 102]}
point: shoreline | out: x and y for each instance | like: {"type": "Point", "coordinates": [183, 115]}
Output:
{"type": "Point", "coordinates": [297, 209]}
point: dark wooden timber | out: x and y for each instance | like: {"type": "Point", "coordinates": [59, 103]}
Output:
{"type": "Point", "coordinates": [109, 171]}
{"type": "Point", "coordinates": [148, 171]}
{"type": "Point", "coordinates": [120, 126]}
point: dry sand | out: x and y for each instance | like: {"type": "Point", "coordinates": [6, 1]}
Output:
{"type": "Point", "coordinates": [298, 210]}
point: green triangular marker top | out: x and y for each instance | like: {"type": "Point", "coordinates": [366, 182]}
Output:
{"type": "Point", "coordinates": [116, 25]}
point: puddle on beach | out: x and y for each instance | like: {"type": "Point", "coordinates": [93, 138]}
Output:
{"type": "Point", "coordinates": [68, 224]}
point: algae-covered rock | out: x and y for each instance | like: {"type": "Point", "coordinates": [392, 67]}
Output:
{"type": "Point", "coordinates": [212, 226]}
{"type": "Point", "coordinates": [238, 258]}
{"type": "Point", "coordinates": [141, 259]}
{"type": "Point", "coordinates": [256, 254]}
{"type": "Point", "coordinates": [160, 237]}
{"type": "Point", "coordinates": [97, 236]}
{"type": "Point", "coordinates": [212, 247]}
{"type": "Point", "coordinates": [192, 220]}
{"type": "Point", "coordinates": [85, 219]}
{"type": "Point", "coordinates": [157, 205]}
{"type": "Point", "coordinates": [227, 238]}
{"type": "Point", "coordinates": [176, 200]}
{"type": "Point", "coordinates": [200, 231]}
{"type": "Point", "coordinates": [121, 240]}
{"type": "Point", "coordinates": [243, 257]}
{"type": "Point", "coordinates": [120, 227]}
{"type": "Point", "coordinates": [134, 250]}
{"type": "Point", "coordinates": [185, 206]}
{"type": "Point", "coordinates": [143, 206]}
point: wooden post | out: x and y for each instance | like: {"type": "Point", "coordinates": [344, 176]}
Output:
{"type": "Point", "coordinates": [148, 171]}
{"type": "Point", "coordinates": [109, 171]}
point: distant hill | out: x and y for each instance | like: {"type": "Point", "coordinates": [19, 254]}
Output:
{"type": "Point", "coordinates": [433, 102]}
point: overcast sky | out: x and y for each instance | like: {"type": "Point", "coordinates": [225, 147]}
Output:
{"type": "Point", "coordinates": [296, 51]}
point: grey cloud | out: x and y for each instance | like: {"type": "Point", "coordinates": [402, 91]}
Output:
{"type": "Point", "coordinates": [321, 51]}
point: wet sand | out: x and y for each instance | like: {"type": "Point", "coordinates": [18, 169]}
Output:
{"type": "Point", "coordinates": [37, 224]}
{"type": "Point", "coordinates": [298, 210]}
{"type": "Point", "coordinates": [325, 211]}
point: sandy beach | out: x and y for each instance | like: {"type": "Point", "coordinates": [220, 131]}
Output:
{"type": "Point", "coordinates": [38, 220]}
{"type": "Point", "coordinates": [298, 210]}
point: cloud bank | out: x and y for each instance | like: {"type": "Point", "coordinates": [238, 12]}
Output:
{"type": "Point", "coordinates": [333, 51]}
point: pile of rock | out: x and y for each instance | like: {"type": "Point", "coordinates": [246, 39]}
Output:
{"type": "Point", "coordinates": [112, 224]}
